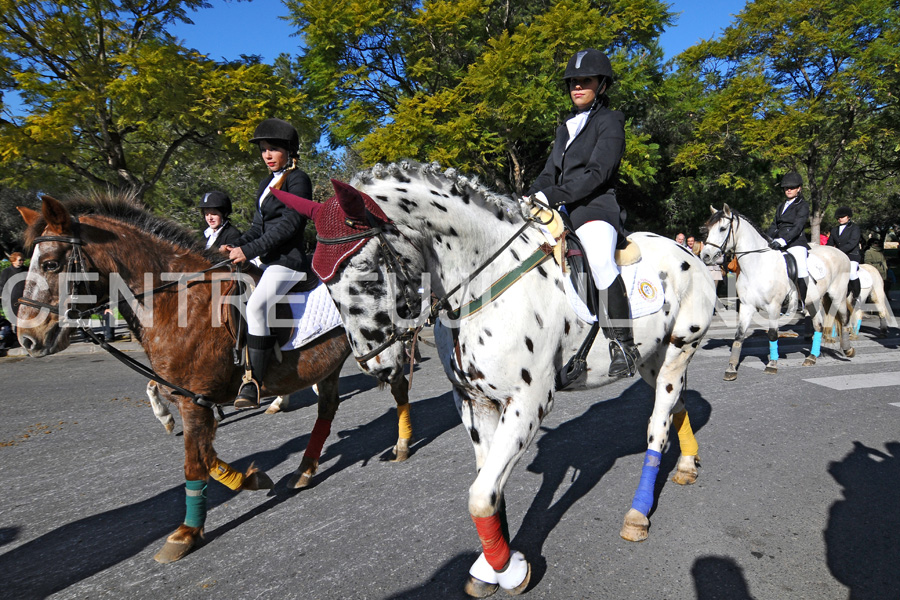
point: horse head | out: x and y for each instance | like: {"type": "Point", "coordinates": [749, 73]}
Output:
{"type": "Point", "coordinates": [720, 238]}
{"type": "Point", "coordinates": [371, 272]}
{"type": "Point", "coordinates": [56, 250]}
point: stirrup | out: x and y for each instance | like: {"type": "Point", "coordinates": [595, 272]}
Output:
{"type": "Point", "coordinates": [629, 358]}
{"type": "Point", "coordinates": [246, 399]}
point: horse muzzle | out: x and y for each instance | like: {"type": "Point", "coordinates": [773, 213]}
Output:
{"type": "Point", "coordinates": [43, 341]}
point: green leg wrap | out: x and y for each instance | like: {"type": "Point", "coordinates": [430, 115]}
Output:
{"type": "Point", "coordinates": [195, 499]}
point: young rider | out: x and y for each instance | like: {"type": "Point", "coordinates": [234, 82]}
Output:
{"type": "Point", "coordinates": [276, 237]}
{"type": "Point", "coordinates": [787, 228]}
{"type": "Point", "coordinates": [580, 176]}
{"type": "Point", "coordinates": [845, 237]}
{"type": "Point", "coordinates": [216, 208]}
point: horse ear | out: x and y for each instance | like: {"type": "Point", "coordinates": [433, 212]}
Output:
{"type": "Point", "coordinates": [56, 214]}
{"type": "Point", "coordinates": [712, 211]}
{"type": "Point", "coordinates": [302, 205]}
{"type": "Point", "coordinates": [350, 199]}
{"type": "Point", "coordinates": [28, 215]}
{"type": "Point", "coordinates": [727, 210]}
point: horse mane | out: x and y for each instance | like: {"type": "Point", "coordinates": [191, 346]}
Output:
{"type": "Point", "coordinates": [467, 188]}
{"type": "Point", "coordinates": [720, 214]}
{"type": "Point", "coordinates": [125, 208]}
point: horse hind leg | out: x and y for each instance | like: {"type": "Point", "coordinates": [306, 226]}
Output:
{"type": "Point", "coordinates": [159, 408]}
{"type": "Point", "coordinates": [329, 400]}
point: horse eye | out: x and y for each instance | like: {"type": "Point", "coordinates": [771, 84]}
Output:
{"type": "Point", "coordinates": [50, 266]}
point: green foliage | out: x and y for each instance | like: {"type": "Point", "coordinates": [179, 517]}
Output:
{"type": "Point", "coordinates": [803, 85]}
{"type": "Point", "coordinates": [112, 98]}
{"type": "Point", "coordinates": [473, 84]}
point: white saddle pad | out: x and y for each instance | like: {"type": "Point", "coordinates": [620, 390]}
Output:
{"type": "Point", "coordinates": [865, 279]}
{"type": "Point", "coordinates": [816, 267]}
{"type": "Point", "coordinates": [644, 287]}
{"type": "Point", "coordinates": [314, 314]}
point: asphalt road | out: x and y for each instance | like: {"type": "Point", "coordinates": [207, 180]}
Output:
{"type": "Point", "coordinates": [797, 497]}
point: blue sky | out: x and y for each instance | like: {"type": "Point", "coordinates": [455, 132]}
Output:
{"type": "Point", "coordinates": [230, 29]}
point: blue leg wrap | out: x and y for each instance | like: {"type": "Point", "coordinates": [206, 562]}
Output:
{"type": "Point", "coordinates": [773, 350]}
{"type": "Point", "coordinates": [858, 325]}
{"type": "Point", "coordinates": [643, 497]}
{"type": "Point", "coordinates": [816, 344]}
{"type": "Point", "coordinates": [834, 331]}
{"type": "Point", "coordinates": [195, 499]}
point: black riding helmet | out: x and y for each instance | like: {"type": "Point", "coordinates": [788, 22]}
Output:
{"type": "Point", "coordinates": [844, 211]}
{"type": "Point", "coordinates": [590, 63]}
{"type": "Point", "coordinates": [791, 180]}
{"type": "Point", "coordinates": [278, 133]}
{"type": "Point", "coordinates": [218, 200]}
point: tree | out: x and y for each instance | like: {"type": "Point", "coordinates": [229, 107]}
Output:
{"type": "Point", "coordinates": [474, 84]}
{"type": "Point", "coordinates": [112, 97]}
{"type": "Point", "coordinates": [803, 85]}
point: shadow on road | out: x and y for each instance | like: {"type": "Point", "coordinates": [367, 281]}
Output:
{"type": "Point", "coordinates": [75, 551]}
{"type": "Point", "coordinates": [862, 538]}
{"type": "Point", "coordinates": [719, 578]}
{"type": "Point", "coordinates": [584, 449]}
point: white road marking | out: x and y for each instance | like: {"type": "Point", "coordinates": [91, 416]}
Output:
{"type": "Point", "coordinates": [857, 382]}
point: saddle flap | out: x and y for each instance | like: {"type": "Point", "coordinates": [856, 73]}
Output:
{"type": "Point", "coordinates": [790, 264]}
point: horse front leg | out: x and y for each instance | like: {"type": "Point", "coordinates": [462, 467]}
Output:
{"type": "Point", "coordinates": [329, 400]}
{"type": "Point", "coordinates": [499, 446]}
{"type": "Point", "coordinates": [745, 316]}
{"type": "Point", "coordinates": [817, 317]}
{"type": "Point", "coordinates": [199, 429]}
{"type": "Point", "coordinates": [157, 403]}
{"type": "Point", "coordinates": [400, 392]}
{"type": "Point", "coordinates": [772, 333]}
{"type": "Point", "coordinates": [668, 410]}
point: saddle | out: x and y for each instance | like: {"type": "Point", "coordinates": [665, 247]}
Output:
{"type": "Point", "coordinates": [233, 307]}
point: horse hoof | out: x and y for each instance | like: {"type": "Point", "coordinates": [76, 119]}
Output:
{"type": "Point", "coordinates": [298, 481]}
{"type": "Point", "coordinates": [172, 551]}
{"type": "Point", "coordinates": [259, 481]}
{"type": "Point", "coordinates": [636, 527]}
{"type": "Point", "coordinates": [519, 589]}
{"type": "Point", "coordinates": [850, 352]}
{"type": "Point", "coordinates": [273, 409]}
{"type": "Point", "coordinates": [771, 368]}
{"type": "Point", "coordinates": [810, 361]}
{"type": "Point", "coordinates": [477, 588]}
{"type": "Point", "coordinates": [686, 471]}
{"type": "Point", "coordinates": [401, 450]}
{"type": "Point", "coordinates": [730, 375]}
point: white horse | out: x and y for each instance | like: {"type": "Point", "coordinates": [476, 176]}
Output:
{"type": "Point", "coordinates": [503, 353]}
{"type": "Point", "coordinates": [763, 284]}
{"type": "Point", "coordinates": [875, 296]}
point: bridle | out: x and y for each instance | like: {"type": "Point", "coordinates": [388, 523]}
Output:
{"type": "Point", "coordinates": [75, 263]}
{"type": "Point", "coordinates": [733, 224]}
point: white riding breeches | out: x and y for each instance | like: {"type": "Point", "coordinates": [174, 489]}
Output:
{"type": "Point", "coordinates": [275, 282]}
{"type": "Point", "coordinates": [854, 270]}
{"type": "Point", "coordinates": [799, 253]}
{"type": "Point", "coordinates": [599, 241]}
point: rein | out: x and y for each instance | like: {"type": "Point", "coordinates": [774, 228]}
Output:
{"type": "Point", "coordinates": [75, 263]}
{"type": "Point", "coordinates": [732, 228]}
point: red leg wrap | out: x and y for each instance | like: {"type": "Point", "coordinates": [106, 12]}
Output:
{"type": "Point", "coordinates": [496, 548]}
{"type": "Point", "coordinates": [317, 438]}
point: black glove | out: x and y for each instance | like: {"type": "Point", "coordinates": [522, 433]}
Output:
{"type": "Point", "coordinates": [775, 245]}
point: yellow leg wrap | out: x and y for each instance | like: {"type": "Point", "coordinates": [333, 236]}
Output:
{"type": "Point", "coordinates": [686, 438]}
{"type": "Point", "coordinates": [226, 475]}
{"type": "Point", "coordinates": [403, 423]}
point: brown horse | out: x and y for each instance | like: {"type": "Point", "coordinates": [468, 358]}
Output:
{"type": "Point", "coordinates": [108, 240]}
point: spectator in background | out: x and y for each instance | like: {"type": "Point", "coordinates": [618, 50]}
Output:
{"type": "Point", "coordinates": [823, 238]}
{"type": "Point", "coordinates": [679, 239]}
{"type": "Point", "coordinates": [875, 257]}
{"type": "Point", "coordinates": [12, 285]}
{"type": "Point", "coordinates": [694, 245]}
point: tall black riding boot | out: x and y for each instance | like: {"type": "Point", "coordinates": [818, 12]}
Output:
{"type": "Point", "coordinates": [802, 285]}
{"type": "Point", "coordinates": [623, 353]}
{"type": "Point", "coordinates": [259, 352]}
{"type": "Point", "coordinates": [854, 288]}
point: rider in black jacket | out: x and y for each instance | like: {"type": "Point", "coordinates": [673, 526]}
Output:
{"type": "Point", "coordinates": [580, 176]}
{"type": "Point", "coordinates": [276, 237]}
{"type": "Point", "coordinates": [845, 237]}
{"type": "Point", "coordinates": [787, 228]}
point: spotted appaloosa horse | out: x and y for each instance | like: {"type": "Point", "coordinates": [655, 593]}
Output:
{"type": "Point", "coordinates": [763, 284]}
{"type": "Point", "coordinates": [503, 359]}
{"type": "Point", "coordinates": [112, 235]}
